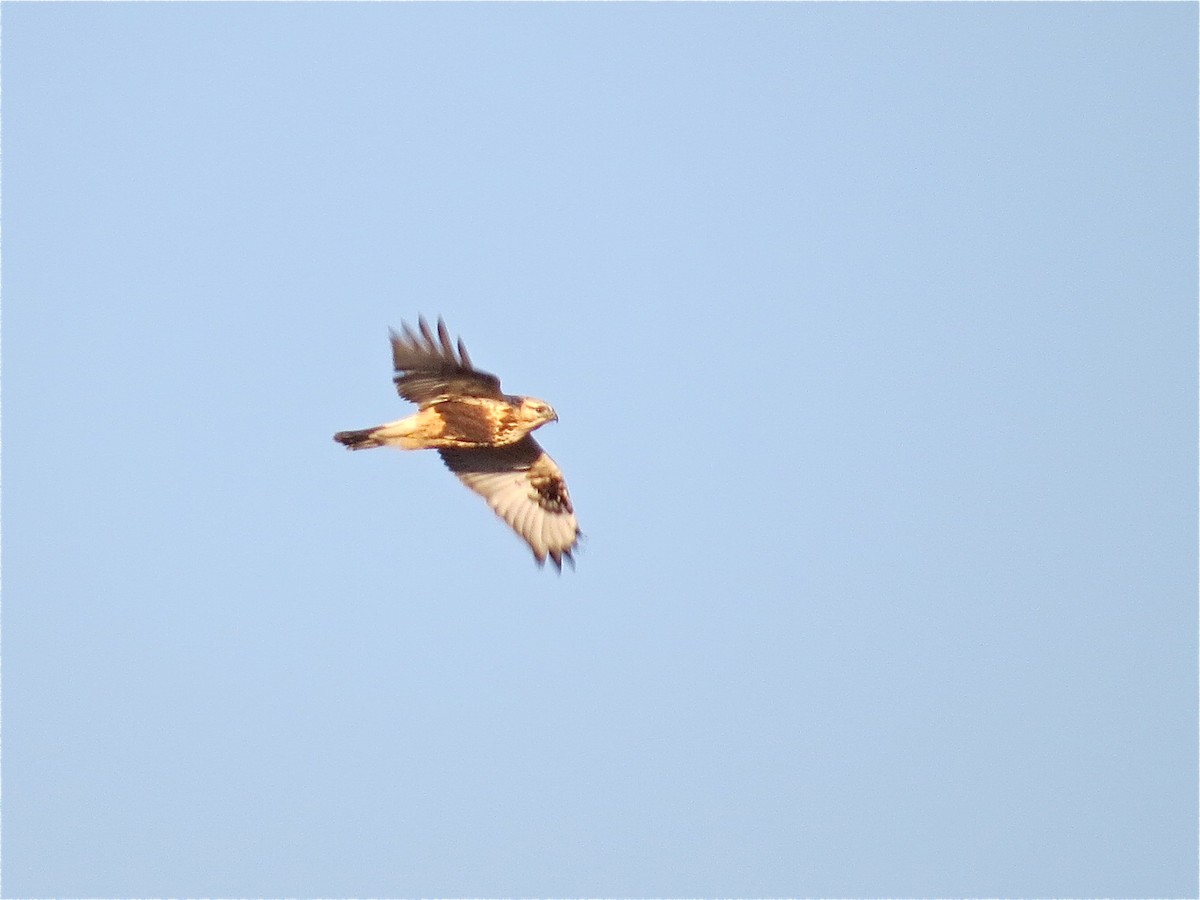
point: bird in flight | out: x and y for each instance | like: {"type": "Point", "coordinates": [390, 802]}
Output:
{"type": "Point", "coordinates": [483, 435]}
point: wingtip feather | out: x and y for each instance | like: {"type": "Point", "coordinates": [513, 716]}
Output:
{"type": "Point", "coordinates": [444, 339]}
{"type": "Point", "coordinates": [426, 332]}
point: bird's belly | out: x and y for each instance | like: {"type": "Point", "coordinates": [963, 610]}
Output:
{"type": "Point", "coordinates": [468, 423]}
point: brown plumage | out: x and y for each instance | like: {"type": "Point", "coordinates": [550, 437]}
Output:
{"type": "Point", "coordinates": [483, 436]}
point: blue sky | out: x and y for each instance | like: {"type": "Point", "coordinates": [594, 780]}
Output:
{"type": "Point", "coordinates": [872, 330]}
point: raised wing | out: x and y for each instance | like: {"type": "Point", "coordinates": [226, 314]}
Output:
{"type": "Point", "coordinates": [430, 367]}
{"type": "Point", "coordinates": [526, 489]}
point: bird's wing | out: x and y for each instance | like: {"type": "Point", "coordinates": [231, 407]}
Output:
{"type": "Point", "coordinates": [430, 367]}
{"type": "Point", "coordinates": [526, 489]}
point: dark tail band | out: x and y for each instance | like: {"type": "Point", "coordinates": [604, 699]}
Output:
{"type": "Point", "coordinates": [358, 440]}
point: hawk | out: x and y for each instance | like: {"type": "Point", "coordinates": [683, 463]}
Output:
{"type": "Point", "coordinates": [484, 437]}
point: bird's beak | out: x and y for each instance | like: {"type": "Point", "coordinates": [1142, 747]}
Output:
{"type": "Point", "coordinates": [555, 419]}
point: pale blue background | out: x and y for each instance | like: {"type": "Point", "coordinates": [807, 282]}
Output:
{"type": "Point", "coordinates": [873, 334]}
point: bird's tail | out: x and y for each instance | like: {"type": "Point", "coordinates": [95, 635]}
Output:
{"type": "Point", "coordinates": [358, 440]}
{"type": "Point", "coordinates": [402, 434]}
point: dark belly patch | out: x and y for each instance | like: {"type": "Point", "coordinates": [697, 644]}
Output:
{"type": "Point", "coordinates": [474, 423]}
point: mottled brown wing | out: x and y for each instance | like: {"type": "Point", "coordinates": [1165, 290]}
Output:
{"type": "Point", "coordinates": [430, 367]}
{"type": "Point", "coordinates": [526, 489]}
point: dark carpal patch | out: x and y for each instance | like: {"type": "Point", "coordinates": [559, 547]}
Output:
{"type": "Point", "coordinates": [551, 493]}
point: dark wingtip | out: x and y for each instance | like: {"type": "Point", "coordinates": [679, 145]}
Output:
{"type": "Point", "coordinates": [435, 340]}
{"type": "Point", "coordinates": [557, 557]}
{"type": "Point", "coordinates": [444, 338]}
{"type": "Point", "coordinates": [426, 332]}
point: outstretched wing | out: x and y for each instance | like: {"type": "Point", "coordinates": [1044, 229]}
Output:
{"type": "Point", "coordinates": [430, 367]}
{"type": "Point", "coordinates": [526, 489]}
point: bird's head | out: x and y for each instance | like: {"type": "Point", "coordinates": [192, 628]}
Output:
{"type": "Point", "coordinates": [536, 413]}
